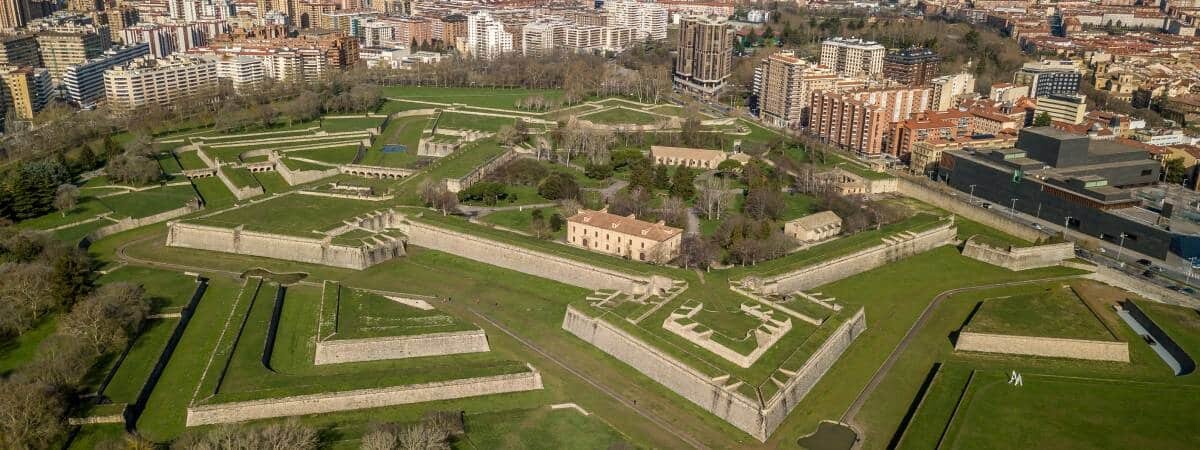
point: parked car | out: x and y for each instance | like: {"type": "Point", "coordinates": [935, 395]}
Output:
{"type": "Point", "coordinates": [1144, 262]}
{"type": "Point", "coordinates": [1037, 226]}
{"type": "Point", "coordinates": [985, 205]}
{"type": "Point", "coordinates": [1187, 290]}
{"type": "Point", "coordinates": [1148, 274]}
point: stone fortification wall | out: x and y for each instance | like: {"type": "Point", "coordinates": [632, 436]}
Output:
{"type": "Point", "coordinates": [826, 272]}
{"type": "Point", "coordinates": [711, 393]}
{"type": "Point", "coordinates": [798, 386]}
{"type": "Point", "coordinates": [370, 198]}
{"type": "Point", "coordinates": [387, 173]}
{"type": "Point", "coordinates": [127, 224]}
{"type": "Point", "coordinates": [290, 248]}
{"type": "Point", "coordinates": [1019, 258]}
{"type": "Point", "coordinates": [241, 193]}
{"type": "Point", "coordinates": [1114, 277]}
{"type": "Point", "coordinates": [414, 112]}
{"type": "Point", "coordinates": [200, 153]}
{"type": "Point", "coordinates": [528, 261]}
{"type": "Point", "coordinates": [337, 351]}
{"type": "Point", "coordinates": [957, 204]}
{"type": "Point", "coordinates": [1042, 346]}
{"type": "Point", "coordinates": [481, 172]}
{"type": "Point", "coordinates": [362, 399]}
{"type": "Point", "coordinates": [294, 177]}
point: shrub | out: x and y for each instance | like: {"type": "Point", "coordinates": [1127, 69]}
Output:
{"type": "Point", "coordinates": [598, 171]}
{"type": "Point", "coordinates": [559, 186]}
{"type": "Point", "coordinates": [487, 192]}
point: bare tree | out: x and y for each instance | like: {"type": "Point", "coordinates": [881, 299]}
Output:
{"type": "Point", "coordinates": [714, 197]}
{"type": "Point", "coordinates": [278, 436]}
{"type": "Point", "coordinates": [108, 318]}
{"type": "Point", "coordinates": [674, 212]}
{"type": "Point", "coordinates": [65, 198]}
{"type": "Point", "coordinates": [26, 293]}
{"type": "Point", "coordinates": [30, 415]}
{"type": "Point", "coordinates": [569, 207]}
{"type": "Point", "coordinates": [696, 251]}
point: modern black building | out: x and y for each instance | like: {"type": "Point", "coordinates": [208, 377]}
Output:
{"type": "Point", "coordinates": [1073, 179]}
{"type": "Point", "coordinates": [1049, 77]}
{"type": "Point", "coordinates": [912, 66]}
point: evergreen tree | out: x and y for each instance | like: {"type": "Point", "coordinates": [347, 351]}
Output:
{"type": "Point", "coordinates": [683, 183]}
{"type": "Point", "coordinates": [87, 159]}
{"type": "Point", "coordinates": [662, 177]}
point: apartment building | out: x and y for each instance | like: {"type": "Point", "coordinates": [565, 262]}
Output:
{"type": "Point", "coordinates": [120, 18]}
{"type": "Point", "coordinates": [26, 90]}
{"type": "Point", "coordinates": [783, 84]}
{"type": "Point", "coordinates": [1068, 108]}
{"type": "Point", "coordinates": [704, 54]}
{"type": "Point", "coordinates": [602, 232]}
{"type": "Point", "coordinates": [948, 90]}
{"type": "Point", "coordinates": [486, 36]}
{"type": "Point", "coordinates": [1049, 77]}
{"type": "Point", "coordinates": [164, 82]}
{"type": "Point", "coordinates": [929, 126]}
{"type": "Point", "coordinates": [927, 155]}
{"type": "Point", "coordinates": [83, 84]}
{"type": "Point", "coordinates": [14, 14]}
{"type": "Point", "coordinates": [861, 121]}
{"type": "Point", "coordinates": [62, 47]}
{"type": "Point", "coordinates": [165, 39]}
{"type": "Point", "coordinates": [648, 20]}
{"type": "Point", "coordinates": [914, 66]}
{"type": "Point", "coordinates": [241, 71]}
{"type": "Point", "coordinates": [20, 50]}
{"type": "Point", "coordinates": [853, 57]}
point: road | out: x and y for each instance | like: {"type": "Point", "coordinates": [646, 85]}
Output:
{"type": "Point", "coordinates": [851, 414]}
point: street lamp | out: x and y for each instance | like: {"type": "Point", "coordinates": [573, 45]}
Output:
{"type": "Point", "coordinates": [1121, 247]}
{"type": "Point", "coordinates": [972, 194]}
{"type": "Point", "coordinates": [1066, 226]}
{"type": "Point", "coordinates": [1012, 210]}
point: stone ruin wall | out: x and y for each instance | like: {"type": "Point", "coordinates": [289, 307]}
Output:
{"type": "Point", "coordinates": [289, 248]}
{"type": "Point", "coordinates": [337, 351]}
{"type": "Point", "coordinates": [1019, 258]}
{"type": "Point", "coordinates": [957, 205]}
{"type": "Point", "coordinates": [531, 262]}
{"type": "Point", "coordinates": [1043, 346]}
{"type": "Point", "coordinates": [845, 266]}
{"type": "Point", "coordinates": [362, 399]}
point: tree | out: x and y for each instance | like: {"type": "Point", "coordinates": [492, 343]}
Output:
{"type": "Point", "coordinates": [633, 200]}
{"type": "Point", "coordinates": [569, 207]}
{"type": "Point", "coordinates": [508, 135]}
{"type": "Point", "coordinates": [1174, 172]}
{"type": "Point", "coordinates": [132, 168]}
{"type": "Point", "coordinates": [26, 293]}
{"type": "Point", "coordinates": [662, 177]}
{"type": "Point", "coordinates": [537, 224]}
{"type": "Point", "coordinates": [624, 158]}
{"type": "Point", "coordinates": [695, 251]}
{"type": "Point", "coordinates": [683, 183]}
{"type": "Point", "coordinates": [674, 212]}
{"type": "Point", "coordinates": [30, 415]}
{"type": "Point", "coordinates": [729, 166]}
{"type": "Point", "coordinates": [1042, 120]}
{"type": "Point", "coordinates": [597, 171]}
{"type": "Point", "coordinates": [66, 197]}
{"type": "Point", "coordinates": [285, 435]}
{"type": "Point", "coordinates": [559, 186]}
{"type": "Point", "coordinates": [107, 319]}
{"type": "Point", "coordinates": [715, 197]}
{"type": "Point", "coordinates": [486, 192]}
{"type": "Point", "coordinates": [87, 159]}
{"type": "Point", "coordinates": [557, 222]}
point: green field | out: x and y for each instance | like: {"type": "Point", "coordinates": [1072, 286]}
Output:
{"type": "Point", "coordinates": [406, 131]}
{"type": "Point", "coordinates": [460, 121]}
{"type": "Point", "coordinates": [167, 291]}
{"type": "Point", "coordinates": [359, 314]}
{"type": "Point", "coordinates": [466, 159]}
{"type": "Point", "coordinates": [149, 202]}
{"type": "Point", "coordinates": [272, 182]}
{"type": "Point", "coordinates": [487, 98]}
{"type": "Point", "coordinates": [621, 116]}
{"type": "Point", "coordinates": [332, 155]}
{"type": "Point", "coordinates": [190, 160]}
{"type": "Point", "coordinates": [16, 352]}
{"type": "Point", "coordinates": [350, 124]}
{"type": "Point", "coordinates": [87, 207]}
{"type": "Point", "coordinates": [520, 220]}
{"type": "Point", "coordinates": [214, 192]}
{"type": "Point", "coordinates": [295, 214]}
{"type": "Point", "coordinates": [239, 176]}
{"type": "Point", "coordinates": [1049, 311]}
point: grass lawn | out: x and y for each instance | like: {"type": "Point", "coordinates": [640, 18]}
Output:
{"type": "Point", "coordinates": [621, 116]}
{"type": "Point", "coordinates": [272, 182]}
{"type": "Point", "coordinates": [16, 352]}
{"type": "Point", "coordinates": [1180, 323]}
{"type": "Point", "coordinates": [168, 291]}
{"type": "Point", "coordinates": [466, 159]}
{"type": "Point", "coordinates": [406, 131]}
{"type": "Point", "coordinates": [168, 163]}
{"type": "Point", "coordinates": [520, 220]}
{"type": "Point", "coordinates": [75, 233]}
{"type": "Point", "coordinates": [135, 368]}
{"type": "Point", "coordinates": [394, 106]}
{"type": "Point", "coordinates": [1049, 311]}
{"type": "Point", "coordinates": [798, 205]}
{"type": "Point", "coordinates": [332, 155]}
{"type": "Point", "coordinates": [460, 121]}
{"type": "Point", "coordinates": [541, 428]}
{"type": "Point", "coordinates": [109, 435]}
{"type": "Point", "coordinates": [87, 207]}
{"type": "Point", "coordinates": [483, 97]}
{"type": "Point", "coordinates": [1070, 413]}
{"type": "Point", "coordinates": [294, 214]}
{"type": "Point", "coordinates": [190, 160]}
{"type": "Point", "coordinates": [150, 202]}
{"type": "Point", "coordinates": [517, 195]}
{"type": "Point", "coordinates": [361, 314]}
{"type": "Point", "coordinates": [355, 124]}
{"type": "Point", "coordinates": [296, 164]}
{"type": "Point", "coordinates": [214, 192]}
{"type": "Point", "coordinates": [991, 236]}
{"type": "Point", "coordinates": [239, 176]}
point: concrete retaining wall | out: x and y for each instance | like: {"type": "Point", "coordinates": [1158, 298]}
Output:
{"type": "Point", "coordinates": [397, 347]}
{"type": "Point", "coordinates": [290, 248]}
{"type": "Point", "coordinates": [1043, 346]}
{"type": "Point", "coordinates": [1019, 258]}
{"type": "Point", "coordinates": [129, 224]}
{"type": "Point", "coordinates": [711, 393]}
{"type": "Point", "coordinates": [481, 172]}
{"type": "Point", "coordinates": [835, 269]}
{"type": "Point", "coordinates": [528, 261]}
{"type": "Point", "coordinates": [241, 193]}
{"type": "Point", "coordinates": [1114, 277]}
{"type": "Point", "coordinates": [362, 399]}
{"type": "Point", "coordinates": [958, 205]}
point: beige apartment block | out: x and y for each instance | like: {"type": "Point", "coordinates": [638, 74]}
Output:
{"type": "Point", "coordinates": [624, 236]}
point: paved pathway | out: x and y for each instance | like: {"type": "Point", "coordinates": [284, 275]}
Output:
{"type": "Point", "coordinates": [480, 211]}
{"type": "Point", "coordinates": [851, 414]}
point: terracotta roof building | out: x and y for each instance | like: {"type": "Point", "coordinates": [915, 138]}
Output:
{"type": "Point", "coordinates": [624, 236]}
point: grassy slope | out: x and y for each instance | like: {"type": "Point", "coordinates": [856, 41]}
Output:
{"type": "Point", "coordinates": [294, 214]}
{"type": "Point", "coordinates": [1051, 311]}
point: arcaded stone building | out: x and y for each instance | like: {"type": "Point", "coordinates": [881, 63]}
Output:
{"type": "Point", "coordinates": [814, 227]}
{"type": "Point", "coordinates": [628, 237]}
{"type": "Point", "coordinates": [695, 158]}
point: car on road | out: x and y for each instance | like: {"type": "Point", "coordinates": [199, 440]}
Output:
{"type": "Point", "coordinates": [1187, 290]}
{"type": "Point", "coordinates": [985, 205]}
{"type": "Point", "coordinates": [1148, 274]}
{"type": "Point", "coordinates": [1144, 262]}
{"type": "Point", "coordinates": [1037, 226]}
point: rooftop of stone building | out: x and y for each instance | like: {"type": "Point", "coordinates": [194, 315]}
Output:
{"type": "Point", "coordinates": [685, 152]}
{"type": "Point", "coordinates": [627, 225]}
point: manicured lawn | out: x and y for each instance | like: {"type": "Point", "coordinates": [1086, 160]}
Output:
{"type": "Point", "coordinates": [97, 436]}
{"type": "Point", "coordinates": [406, 131]}
{"type": "Point", "coordinates": [460, 121]}
{"type": "Point", "coordinates": [621, 115]}
{"type": "Point", "coordinates": [332, 155]}
{"type": "Point", "coordinates": [86, 208]}
{"type": "Point", "coordinates": [1070, 413]}
{"type": "Point", "coordinates": [395, 106]}
{"type": "Point", "coordinates": [992, 236]}
{"type": "Point", "coordinates": [361, 314]}
{"type": "Point", "coordinates": [520, 220]}
{"type": "Point", "coordinates": [16, 352]}
{"type": "Point", "coordinates": [150, 202]}
{"type": "Point", "coordinates": [484, 97]}
{"type": "Point", "coordinates": [135, 368]}
{"type": "Point", "coordinates": [75, 233]}
{"type": "Point", "coordinates": [355, 124]}
{"type": "Point", "coordinates": [1048, 310]}
{"type": "Point", "coordinates": [189, 160]}
{"type": "Point", "coordinates": [466, 159]}
{"type": "Point", "coordinates": [239, 176]}
{"type": "Point", "coordinates": [296, 164]}
{"type": "Point", "coordinates": [294, 214]}
{"type": "Point", "coordinates": [798, 205]}
{"type": "Point", "coordinates": [542, 428]}
{"type": "Point", "coordinates": [214, 192]}
{"type": "Point", "coordinates": [167, 290]}
{"type": "Point", "coordinates": [936, 407]}
{"type": "Point", "coordinates": [1180, 323]}
{"type": "Point", "coordinates": [168, 163]}
{"type": "Point", "coordinates": [272, 182]}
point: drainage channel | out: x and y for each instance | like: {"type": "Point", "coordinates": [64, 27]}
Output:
{"type": "Point", "coordinates": [1159, 341]}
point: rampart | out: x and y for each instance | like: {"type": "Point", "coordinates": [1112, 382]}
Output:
{"type": "Point", "coordinates": [241, 193]}
{"type": "Point", "coordinates": [1117, 278]}
{"type": "Point", "coordinates": [127, 224]}
{"type": "Point", "coordinates": [957, 204]}
{"type": "Point", "coordinates": [1043, 346]}
{"type": "Point", "coordinates": [481, 172]}
{"type": "Point", "coordinates": [294, 177]}
{"type": "Point", "coordinates": [335, 351]}
{"type": "Point", "coordinates": [893, 248]}
{"type": "Point", "coordinates": [528, 261]}
{"type": "Point", "coordinates": [278, 246]}
{"type": "Point", "coordinates": [387, 173]}
{"type": "Point", "coordinates": [1019, 258]}
{"type": "Point", "coordinates": [362, 398]}
{"type": "Point", "coordinates": [712, 393]}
